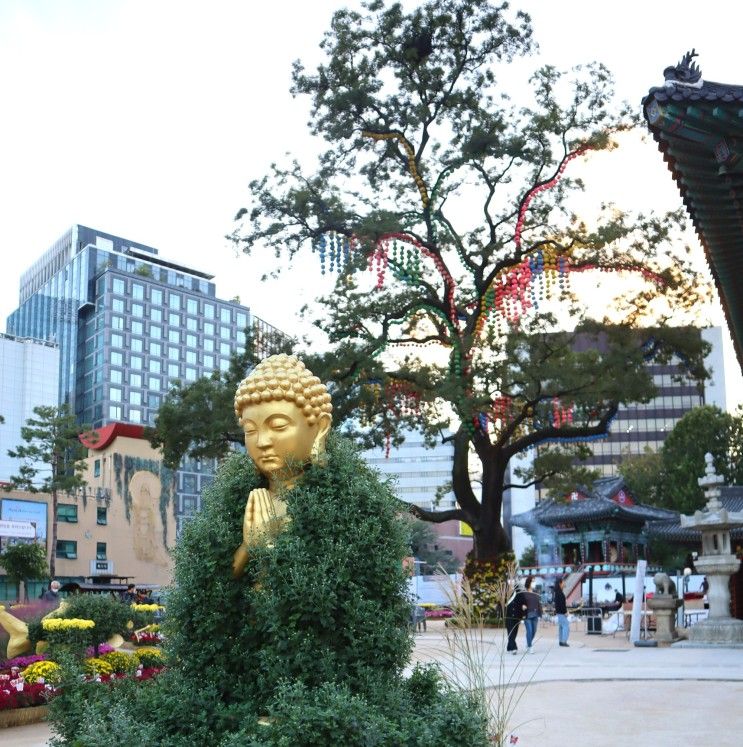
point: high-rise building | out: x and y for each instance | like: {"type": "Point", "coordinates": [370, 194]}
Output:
{"type": "Point", "coordinates": [28, 379]}
{"type": "Point", "coordinates": [128, 323]}
{"type": "Point", "coordinates": [637, 426]}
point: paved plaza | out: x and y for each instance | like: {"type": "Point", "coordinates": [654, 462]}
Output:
{"type": "Point", "coordinates": [600, 691]}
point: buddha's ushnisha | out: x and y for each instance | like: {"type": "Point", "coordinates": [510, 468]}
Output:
{"type": "Point", "coordinates": [285, 412]}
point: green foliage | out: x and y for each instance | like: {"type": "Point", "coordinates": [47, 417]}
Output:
{"type": "Point", "coordinates": [23, 562]}
{"type": "Point", "coordinates": [149, 657]}
{"type": "Point", "coordinates": [528, 557]}
{"type": "Point", "coordinates": [120, 662]}
{"type": "Point", "coordinates": [435, 180]}
{"type": "Point", "coordinates": [670, 478]}
{"type": "Point", "coordinates": [422, 539]}
{"type": "Point", "coordinates": [198, 419]}
{"type": "Point", "coordinates": [315, 635]}
{"type": "Point", "coordinates": [53, 458]}
{"type": "Point", "coordinates": [110, 615]}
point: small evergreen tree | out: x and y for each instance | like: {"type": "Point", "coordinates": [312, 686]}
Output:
{"type": "Point", "coordinates": [53, 459]}
{"type": "Point", "coordinates": [23, 562]}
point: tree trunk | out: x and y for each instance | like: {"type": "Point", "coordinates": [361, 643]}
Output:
{"type": "Point", "coordinates": [53, 548]}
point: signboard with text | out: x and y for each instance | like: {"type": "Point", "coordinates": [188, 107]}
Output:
{"type": "Point", "coordinates": [29, 512]}
{"type": "Point", "coordinates": [17, 529]}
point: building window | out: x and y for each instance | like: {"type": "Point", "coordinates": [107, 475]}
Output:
{"type": "Point", "coordinates": [174, 320]}
{"type": "Point", "coordinates": [190, 374]}
{"type": "Point", "coordinates": [153, 402]}
{"type": "Point", "coordinates": [192, 306]}
{"type": "Point", "coordinates": [192, 324]}
{"type": "Point", "coordinates": [116, 377]}
{"type": "Point", "coordinates": [225, 348]}
{"type": "Point", "coordinates": [117, 340]}
{"type": "Point", "coordinates": [156, 296]}
{"type": "Point", "coordinates": [154, 384]}
{"type": "Point", "coordinates": [155, 348]}
{"type": "Point", "coordinates": [191, 357]}
{"type": "Point", "coordinates": [66, 549]}
{"type": "Point", "coordinates": [137, 310]}
{"type": "Point", "coordinates": [208, 328]}
{"type": "Point", "coordinates": [136, 345]}
{"type": "Point", "coordinates": [155, 366]}
{"type": "Point", "coordinates": [156, 315]}
{"type": "Point", "coordinates": [192, 341]}
{"type": "Point", "coordinates": [174, 336]}
{"type": "Point", "coordinates": [138, 292]}
{"type": "Point", "coordinates": [137, 328]}
{"type": "Point", "coordinates": [114, 394]}
{"type": "Point", "coordinates": [117, 305]}
{"type": "Point", "coordinates": [136, 362]}
{"type": "Point", "coordinates": [117, 359]}
{"type": "Point", "coordinates": [225, 333]}
{"type": "Point", "coordinates": [225, 316]}
{"type": "Point", "coordinates": [174, 301]}
{"type": "Point", "coordinates": [135, 398]}
{"type": "Point", "coordinates": [135, 380]}
{"type": "Point", "coordinates": [114, 412]}
{"type": "Point", "coordinates": [209, 310]}
{"type": "Point", "coordinates": [118, 286]}
{"type": "Point", "coordinates": [209, 362]}
{"type": "Point", "coordinates": [100, 550]}
{"type": "Point", "coordinates": [67, 512]}
{"type": "Point", "coordinates": [101, 515]}
{"type": "Point", "coordinates": [242, 320]}
{"type": "Point", "coordinates": [97, 468]}
{"type": "Point", "coordinates": [208, 345]}
{"type": "Point", "coordinates": [174, 370]}
{"type": "Point", "coordinates": [156, 332]}
{"type": "Point", "coordinates": [117, 322]}
{"type": "Point", "coordinates": [174, 353]}
{"type": "Point", "coordinates": [135, 415]}
{"type": "Point", "coordinates": [224, 364]}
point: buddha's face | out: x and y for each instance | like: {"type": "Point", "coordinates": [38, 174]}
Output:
{"type": "Point", "coordinates": [277, 433]}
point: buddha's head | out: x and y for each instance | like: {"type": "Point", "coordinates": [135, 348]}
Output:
{"type": "Point", "coordinates": [285, 412]}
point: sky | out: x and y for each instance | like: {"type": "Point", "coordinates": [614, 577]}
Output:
{"type": "Point", "coordinates": [148, 119]}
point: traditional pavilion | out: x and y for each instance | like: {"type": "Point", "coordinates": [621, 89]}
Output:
{"type": "Point", "coordinates": [698, 126]}
{"type": "Point", "coordinates": [601, 525]}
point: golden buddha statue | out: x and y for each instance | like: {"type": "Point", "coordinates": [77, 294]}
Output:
{"type": "Point", "coordinates": [285, 412]}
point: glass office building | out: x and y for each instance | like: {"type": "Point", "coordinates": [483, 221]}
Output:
{"type": "Point", "coordinates": [128, 323]}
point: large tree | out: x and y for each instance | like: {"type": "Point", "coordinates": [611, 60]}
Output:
{"type": "Point", "coordinates": [670, 477]}
{"type": "Point", "coordinates": [23, 562]}
{"type": "Point", "coordinates": [456, 201]}
{"type": "Point", "coordinates": [52, 459]}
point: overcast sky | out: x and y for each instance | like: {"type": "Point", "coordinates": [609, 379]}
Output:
{"type": "Point", "coordinates": [147, 118]}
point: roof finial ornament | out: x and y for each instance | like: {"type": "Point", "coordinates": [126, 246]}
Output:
{"type": "Point", "coordinates": [686, 73]}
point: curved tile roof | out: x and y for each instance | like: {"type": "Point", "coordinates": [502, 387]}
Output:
{"type": "Point", "coordinates": [698, 126]}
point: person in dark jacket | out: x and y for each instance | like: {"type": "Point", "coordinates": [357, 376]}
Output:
{"type": "Point", "coordinates": [514, 614]}
{"type": "Point", "coordinates": [561, 610]}
{"type": "Point", "coordinates": [51, 595]}
{"type": "Point", "coordinates": [532, 609]}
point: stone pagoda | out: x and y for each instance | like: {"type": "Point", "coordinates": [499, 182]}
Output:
{"type": "Point", "coordinates": [717, 562]}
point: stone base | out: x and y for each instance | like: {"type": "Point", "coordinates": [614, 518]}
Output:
{"type": "Point", "coordinates": [722, 632]}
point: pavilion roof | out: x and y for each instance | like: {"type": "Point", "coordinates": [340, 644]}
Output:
{"type": "Point", "coordinates": [671, 531]}
{"type": "Point", "coordinates": [606, 499]}
{"type": "Point", "coordinates": [698, 126]}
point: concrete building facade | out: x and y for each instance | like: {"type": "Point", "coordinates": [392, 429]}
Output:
{"type": "Point", "coordinates": [28, 378]}
{"type": "Point", "coordinates": [122, 523]}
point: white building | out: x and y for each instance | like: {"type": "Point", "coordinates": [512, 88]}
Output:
{"type": "Point", "coordinates": [29, 377]}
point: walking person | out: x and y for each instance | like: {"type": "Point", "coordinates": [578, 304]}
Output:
{"type": "Point", "coordinates": [532, 608]}
{"type": "Point", "coordinates": [561, 610]}
{"type": "Point", "coordinates": [514, 613]}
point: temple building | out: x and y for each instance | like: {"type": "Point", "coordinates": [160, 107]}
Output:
{"type": "Point", "coordinates": [602, 525]}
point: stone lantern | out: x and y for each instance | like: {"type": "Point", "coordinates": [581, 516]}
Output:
{"type": "Point", "coordinates": [717, 562]}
